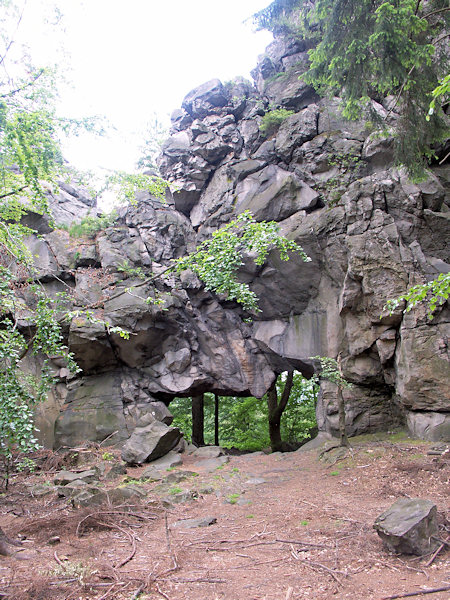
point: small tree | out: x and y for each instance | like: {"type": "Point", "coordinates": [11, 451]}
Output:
{"type": "Point", "coordinates": [330, 370]}
{"type": "Point", "coordinates": [276, 406]}
{"type": "Point", "coordinates": [198, 420]}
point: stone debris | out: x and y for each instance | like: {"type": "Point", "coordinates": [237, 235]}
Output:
{"type": "Point", "coordinates": [192, 523]}
{"type": "Point", "coordinates": [409, 526]}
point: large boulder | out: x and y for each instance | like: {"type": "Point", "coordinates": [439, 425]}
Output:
{"type": "Point", "coordinates": [409, 526]}
{"type": "Point", "coordinates": [150, 440]}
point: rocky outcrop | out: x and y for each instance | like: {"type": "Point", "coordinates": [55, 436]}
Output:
{"type": "Point", "coordinates": [331, 186]}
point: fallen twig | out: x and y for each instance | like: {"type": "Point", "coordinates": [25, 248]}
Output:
{"type": "Point", "coordinates": [58, 560]}
{"type": "Point", "coordinates": [332, 572]}
{"type": "Point", "coordinates": [301, 543]}
{"type": "Point", "coordinates": [196, 580]}
{"type": "Point", "coordinates": [418, 593]}
{"type": "Point", "coordinates": [162, 593]}
{"type": "Point", "coordinates": [169, 546]}
{"type": "Point", "coordinates": [435, 554]}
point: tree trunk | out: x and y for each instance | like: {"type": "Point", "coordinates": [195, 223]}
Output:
{"type": "Point", "coordinates": [276, 409]}
{"type": "Point", "coordinates": [341, 412]}
{"type": "Point", "coordinates": [216, 420]}
{"type": "Point", "coordinates": [341, 409]}
{"type": "Point", "coordinates": [198, 419]}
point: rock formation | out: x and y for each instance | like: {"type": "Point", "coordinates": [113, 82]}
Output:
{"type": "Point", "coordinates": [331, 185]}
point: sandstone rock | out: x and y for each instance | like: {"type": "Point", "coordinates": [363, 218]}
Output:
{"type": "Point", "coordinates": [433, 426]}
{"type": "Point", "coordinates": [409, 526]}
{"type": "Point", "coordinates": [273, 195]}
{"type": "Point", "coordinates": [149, 442]}
{"type": "Point", "coordinates": [66, 477]}
{"type": "Point", "coordinates": [208, 452]}
{"type": "Point", "coordinates": [370, 232]}
{"type": "Point", "coordinates": [115, 471]}
{"type": "Point", "coordinates": [296, 130]}
{"type": "Point", "coordinates": [170, 460]}
{"type": "Point", "coordinates": [212, 464]}
{"type": "Point", "coordinates": [205, 98]}
{"type": "Point", "coordinates": [193, 523]}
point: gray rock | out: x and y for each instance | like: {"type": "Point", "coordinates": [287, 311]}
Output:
{"type": "Point", "coordinates": [205, 98]}
{"type": "Point", "coordinates": [123, 494]}
{"type": "Point", "coordinates": [90, 496]}
{"type": "Point", "coordinates": [409, 526]}
{"type": "Point", "coordinates": [182, 497]}
{"type": "Point", "coordinates": [433, 426]}
{"type": "Point", "coordinates": [296, 130]}
{"type": "Point", "coordinates": [212, 464]}
{"type": "Point", "coordinates": [208, 452]}
{"type": "Point", "coordinates": [116, 471]}
{"type": "Point", "coordinates": [149, 442]}
{"type": "Point", "coordinates": [66, 477]}
{"type": "Point", "coordinates": [178, 476]}
{"type": "Point", "coordinates": [193, 523]}
{"type": "Point", "coordinates": [170, 460]}
{"type": "Point", "coordinates": [255, 481]}
{"type": "Point", "coordinates": [273, 194]}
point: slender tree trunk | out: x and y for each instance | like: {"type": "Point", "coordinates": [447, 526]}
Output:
{"type": "Point", "coordinates": [341, 410]}
{"type": "Point", "coordinates": [276, 409]}
{"type": "Point", "coordinates": [198, 419]}
{"type": "Point", "coordinates": [216, 420]}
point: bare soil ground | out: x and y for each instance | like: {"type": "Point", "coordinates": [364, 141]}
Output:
{"type": "Point", "coordinates": [288, 527]}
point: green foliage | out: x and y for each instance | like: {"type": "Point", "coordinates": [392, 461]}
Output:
{"type": "Point", "coordinates": [434, 293]}
{"type": "Point", "coordinates": [19, 391]}
{"type": "Point", "coordinates": [329, 370]}
{"type": "Point", "coordinates": [299, 417]}
{"type": "Point", "coordinates": [272, 120]}
{"type": "Point", "coordinates": [89, 226]}
{"type": "Point", "coordinates": [127, 186]}
{"type": "Point", "coordinates": [370, 49]}
{"type": "Point", "coordinates": [217, 260]}
{"type": "Point", "coordinates": [88, 316]}
{"type": "Point", "coordinates": [278, 17]}
{"type": "Point", "coordinates": [233, 498]}
{"type": "Point", "coordinates": [349, 166]}
{"type": "Point", "coordinates": [243, 422]}
{"type": "Point", "coordinates": [439, 94]}
{"type": "Point", "coordinates": [125, 267]}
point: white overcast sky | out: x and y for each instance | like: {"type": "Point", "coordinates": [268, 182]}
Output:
{"type": "Point", "coordinates": [130, 59]}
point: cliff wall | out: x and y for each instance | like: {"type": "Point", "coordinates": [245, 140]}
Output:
{"type": "Point", "coordinates": [331, 185]}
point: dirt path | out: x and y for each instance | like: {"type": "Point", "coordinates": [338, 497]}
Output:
{"type": "Point", "coordinates": [287, 527]}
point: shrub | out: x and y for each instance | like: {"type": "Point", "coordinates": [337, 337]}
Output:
{"type": "Point", "coordinates": [273, 119]}
{"type": "Point", "coordinates": [89, 226]}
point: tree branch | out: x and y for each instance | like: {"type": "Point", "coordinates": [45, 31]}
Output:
{"type": "Point", "coordinates": [286, 392]}
{"type": "Point", "coordinates": [21, 189]}
{"type": "Point", "coordinates": [11, 41]}
{"type": "Point", "coordinates": [24, 87]}
{"type": "Point", "coordinates": [435, 12]}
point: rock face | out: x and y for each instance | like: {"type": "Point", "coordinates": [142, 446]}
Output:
{"type": "Point", "coordinates": [331, 186]}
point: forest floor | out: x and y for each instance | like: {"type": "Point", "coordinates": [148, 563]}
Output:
{"type": "Point", "coordinates": [287, 527]}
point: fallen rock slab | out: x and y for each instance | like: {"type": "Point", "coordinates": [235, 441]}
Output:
{"type": "Point", "coordinates": [149, 442]}
{"type": "Point", "coordinates": [169, 461]}
{"type": "Point", "coordinates": [409, 526]}
{"type": "Point", "coordinates": [192, 523]}
{"type": "Point", "coordinates": [208, 452]}
{"type": "Point", "coordinates": [66, 477]}
{"type": "Point", "coordinates": [211, 464]}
